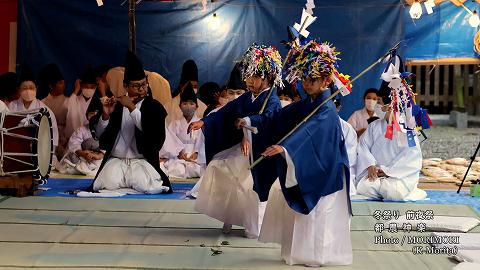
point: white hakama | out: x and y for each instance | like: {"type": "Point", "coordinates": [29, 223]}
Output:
{"type": "Point", "coordinates": [126, 167]}
{"type": "Point", "coordinates": [320, 238]}
{"type": "Point", "coordinates": [136, 174]}
{"type": "Point", "coordinates": [401, 164]}
{"type": "Point", "coordinates": [225, 192]}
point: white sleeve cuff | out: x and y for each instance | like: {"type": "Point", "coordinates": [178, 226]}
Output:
{"type": "Point", "coordinates": [248, 135]}
{"type": "Point", "coordinates": [101, 126]}
{"type": "Point", "coordinates": [290, 179]}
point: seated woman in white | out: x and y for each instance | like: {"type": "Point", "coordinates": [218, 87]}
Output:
{"type": "Point", "coordinates": [388, 169]}
{"type": "Point", "coordinates": [185, 152]}
{"type": "Point", "coordinates": [28, 101]}
{"type": "Point", "coordinates": [359, 118]}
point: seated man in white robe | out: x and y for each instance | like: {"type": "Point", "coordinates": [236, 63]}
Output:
{"type": "Point", "coordinates": [132, 132]}
{"type": "Point", "coordinates": [189, 162]}
{"type": "Point", "coordinates": [388, 169]}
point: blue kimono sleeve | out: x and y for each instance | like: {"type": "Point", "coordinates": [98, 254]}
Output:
{"type": "Point", "coordinates": [318, 152]}
{"type": "Point", "coordinates": [219, 130]}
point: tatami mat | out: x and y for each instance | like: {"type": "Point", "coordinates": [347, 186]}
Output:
{"type": "Point", "coordinates": [51, 232]}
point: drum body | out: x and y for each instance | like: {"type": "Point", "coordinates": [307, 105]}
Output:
{"type": "Point", "coordinates": [26, 143]}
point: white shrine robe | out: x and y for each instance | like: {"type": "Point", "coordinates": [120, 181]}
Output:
{"type": "Point", "coordinates": [126, 168]}
{"type": "Point", "coordinates": [225, 191]}
{"type": "Point", "coordinates": [74, 144]}
{"type": "Point", "coordinates": [76, 115]}
{"type": "Point", "coordinates": [189, 144]}
{"type": "Point", "coordinates": [321, 238]}
{"type": "Point", "coordinates": [401, 164]}
{"type": "Point", "coordinates": [18, 106]}
{"type": "Point", "coordinates": [59, 106]}
{"type": "Point", "coordinates": [359, 118]}
{"type": "Point", "coordinates": [350, 137]}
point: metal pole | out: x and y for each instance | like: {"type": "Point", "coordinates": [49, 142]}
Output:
{"type": "Point", "coordinates": [131, 26]}
{"type": "Point", "coordinates": [469, 166]}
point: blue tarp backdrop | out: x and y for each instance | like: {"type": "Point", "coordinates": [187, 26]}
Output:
{"type": "Point", "coordinates": [76, 33]}
{"type": "Point", "coordinates": [443, 34]}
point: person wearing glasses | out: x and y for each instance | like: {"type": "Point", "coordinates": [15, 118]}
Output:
{"type": "Point", "coordinates": [131, 131]}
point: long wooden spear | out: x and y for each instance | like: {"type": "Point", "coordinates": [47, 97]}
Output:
{"type": "Point", "coordinates": [330, 98]}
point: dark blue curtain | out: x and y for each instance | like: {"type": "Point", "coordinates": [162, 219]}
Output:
{"type": "Point", "coordinates": [76, 33]}
{"type": "Point", "coordinates": [443, 34]}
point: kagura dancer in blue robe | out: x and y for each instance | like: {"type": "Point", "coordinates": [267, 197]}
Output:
{"type": "Point", "coordinates": [309, 212]}
{"type": "Point", "coordinates": [226, 190]}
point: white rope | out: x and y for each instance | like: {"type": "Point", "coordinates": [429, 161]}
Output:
{"type": "Point", "coordinates": [29, 120]}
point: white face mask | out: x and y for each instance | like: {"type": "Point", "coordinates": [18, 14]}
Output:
{"type": "Point", "coordinates": [88, 93]}
{"type": "Point", "coordinates": [28, 95]}
{"type": "Point", "coordinates": [222, 101]}
{"type": "Point", "coordinates": [285, 103]}
{"type": "Point", "coordinates": [370, 104]}
{"type": "Point", "coordinates": [188, 111]}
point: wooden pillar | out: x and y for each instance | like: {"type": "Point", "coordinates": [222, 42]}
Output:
{"type": "Point", "coordinates": [131, 26]}
{"type": "Point", "coordinates": [446, 86]}
{"type": "Point", "coordinates": [458, 88]}
{"type": "Point", "coordinates": [466, 84]}
{"type": "Point", "coordinates": [436, 87]}
{"type": "Point", "coordinates": [418, 86]}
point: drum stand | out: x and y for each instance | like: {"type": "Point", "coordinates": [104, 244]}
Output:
{"type": "Point", "coordinates": [18, 186]}
{"type": "Point", "coordinates": [472, 159]}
